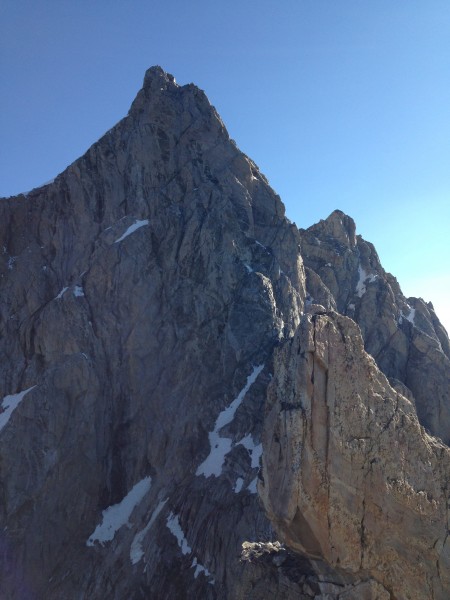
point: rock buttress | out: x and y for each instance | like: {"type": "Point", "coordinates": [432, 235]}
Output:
{"type": "Point", "coordinates": [349, 474]}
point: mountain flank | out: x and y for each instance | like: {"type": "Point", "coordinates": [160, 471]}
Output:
{"type": "Point", "coordinates": [200, 400]}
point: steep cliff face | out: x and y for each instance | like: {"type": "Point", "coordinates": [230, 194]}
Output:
{"type": "Point", "coordinates": [404, 335]}
{"type": "Point", "coordinates": [350, 476]}
{"type": "Point", "coordinates": [143, 294]}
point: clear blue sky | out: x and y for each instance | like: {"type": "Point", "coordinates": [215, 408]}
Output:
{"type": "Point", "coordinates": [342, 104]}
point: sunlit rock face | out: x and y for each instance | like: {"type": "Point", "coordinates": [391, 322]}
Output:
{"type": "Point", "coordinates": [404, 335]}
{"type": "Point", "coordinates": [350, 475]}
{"type": "Point", "coordinates": [144, 293]}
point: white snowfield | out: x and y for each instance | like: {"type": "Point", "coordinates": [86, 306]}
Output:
{"type": "Point", "coordinates": [132, 228]}
{"type": "Point", "coordinates": [116, 516]}
{"type": "Point", "coordinates": [9, 405]}
{"type": "Point", "coordinates": [220, 446]}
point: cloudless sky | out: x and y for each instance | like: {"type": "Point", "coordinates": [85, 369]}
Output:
{"type": "Point", "coordinates": [342, 104]}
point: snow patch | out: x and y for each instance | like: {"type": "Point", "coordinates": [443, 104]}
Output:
{"type": "Point", "coordinates": [78, 291]}
{"type": "Point", "coordinates": [136, 550]}
{"type": "Point", "coordinates": [199, 568]}
{"type": "Point", "coordinates": [220, 446]}
{"type": "Point", "coordinates": [410, 317]}
{"type": "Point", "coordinates": [116, 516]}
{"type": "Point", "coordinates": [61, 293]}
{"type": "Point", "coordinates": [255, 450]}
{"type": "Point", "coordinates": [11, 261]}
{"type": "Point", "coordinates": [9, 405]}
{"type": "Point", "coordinates": [252, 486]}
{"type": "Point", "coordinates": [364, 279]}
{"type": "Point", "coordinates": [248, 267]}
{"type": "Point", "coordinates": [238, 485]}
{"type": "Point", "coordinates": [351, 306]}
{"type": "Point", "coordinates": [173, 523]}
{"type": "Point", "coordinates": [132, 228]}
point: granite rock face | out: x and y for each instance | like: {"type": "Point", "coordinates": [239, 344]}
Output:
{"type": "Point", "coordinates": [144, 292]}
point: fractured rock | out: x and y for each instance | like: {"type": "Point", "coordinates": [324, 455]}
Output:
{"type": "Point", "coordinates": [143, 294]}
{"type": "Point", "coordinates": [349, 474]}
{"type": "Point", "coordinates": [404, 335]}
{"type": "Point", "coordinates": [149, 280]}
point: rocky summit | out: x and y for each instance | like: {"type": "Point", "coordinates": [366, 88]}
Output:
{"type": "Point", "coordinates": [198, 399]}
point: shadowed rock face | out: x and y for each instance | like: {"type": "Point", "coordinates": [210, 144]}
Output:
{"type": "Point", "coordinates": [140, 291]}
{"type": "Point", "coordinates": [143, 294]}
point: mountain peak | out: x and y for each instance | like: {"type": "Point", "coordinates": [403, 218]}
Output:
{"type": "Point", "coordinates": [164, 250]}
{"type": "Point", "coordinates": [155, 77]}
{"type": "Point", "coordinates": [339, 226]}
{"type": "Point", "coordinates": [342, 227]}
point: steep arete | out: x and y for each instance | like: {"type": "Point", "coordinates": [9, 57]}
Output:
{"type": "Point", "coordinates": [404, 335]}
{"type": "Point", "coordinates": [144, 294]}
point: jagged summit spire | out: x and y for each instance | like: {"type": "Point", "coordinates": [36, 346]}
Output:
{"type": "Point", "coordinates": [155, 77]}
{"type": "Point", "coordinates": [339, 226]}
{"type": "Point", "coordinates": [158, 82]}
{"type": "Point", "coordinates": [343, 227]}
